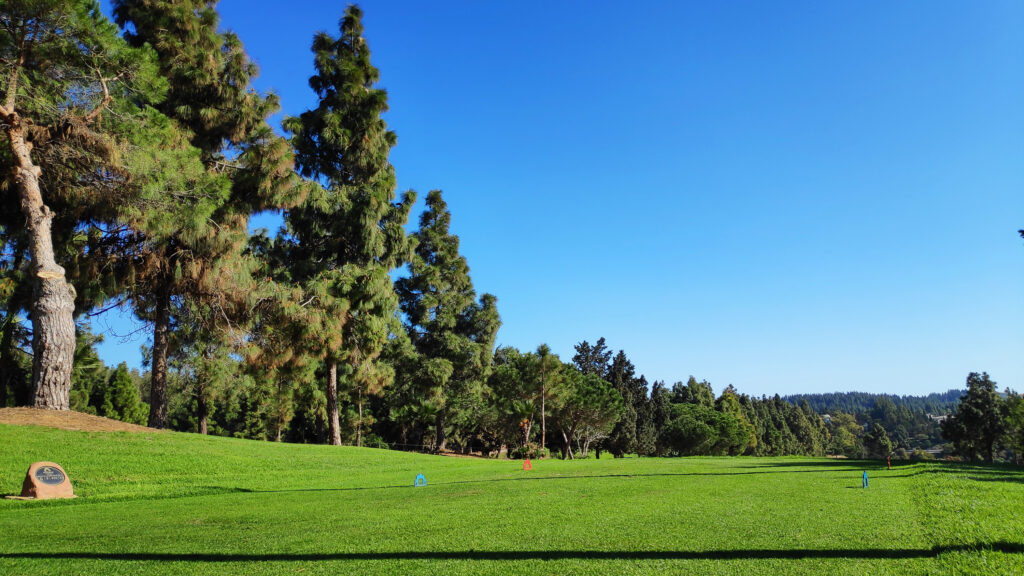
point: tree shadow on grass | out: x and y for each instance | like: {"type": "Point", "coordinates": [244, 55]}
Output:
{"type": "Point", "coordinates": [533, 478]}
{"type": "Point", "coordinates": [828, 463]}
{"type": "Point", "coordinates": [500, 555]}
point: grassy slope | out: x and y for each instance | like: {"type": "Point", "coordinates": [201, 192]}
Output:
{"type": "Point", "coordinates": [184, 504]}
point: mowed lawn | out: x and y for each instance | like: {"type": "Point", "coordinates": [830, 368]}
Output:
{"type": "Point", "coordinates": [169, 503]}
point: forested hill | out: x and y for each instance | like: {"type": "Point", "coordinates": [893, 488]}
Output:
{"type": "Point", "coordinates": [856, 402]}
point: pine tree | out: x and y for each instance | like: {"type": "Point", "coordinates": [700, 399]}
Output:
{"type": "Point", "coordinates": [512, 397]}
{"type": "Point", "coordinates": [588, 410]}
{"type": "Point", "coordinates": [193, 245]}
{"type": "Point", "coordinates": [89, 373]}
{"type": "Point", "coordinates": [977, 424]}
{"type": "Point", "coordinates": [876, 442]}
{"type": "Point", "coordinates": [347, 238]}
{"type": "Point", "coordinates": [118, 398]}
{"type": "Point", "coordinates": [693, 392]}
{"type": "Point", "coordinates": [64, 68]}
{"type": "Point", "coordinates": [592, 359]}
{"type": "Point", "coordinates": [622, 374]}
{"type": "Point", "coordinates": [729, 403]}
{"type": "Point", "coordinates": [445, 322]}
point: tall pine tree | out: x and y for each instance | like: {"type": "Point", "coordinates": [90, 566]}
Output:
{"type": "Point", "coordinates": [193, 241]}
{"type": "Point", "coordinates": [345, 240]}
{"type": "Point", "coordinates": [452, 332]}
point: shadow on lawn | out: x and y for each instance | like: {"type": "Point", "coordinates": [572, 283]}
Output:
{"type": "Point", "coordinates": [781, 554]}
{"type": "Point", "coordinates": [855, 471]}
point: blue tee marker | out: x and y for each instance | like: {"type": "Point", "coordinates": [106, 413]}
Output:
{"type": "Point", "coordinates": [421, 480]}
{"type": "Point", "coordinates": [865, 478]}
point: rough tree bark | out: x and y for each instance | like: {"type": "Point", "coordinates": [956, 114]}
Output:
{"type": "Point", "coordinates": [334, 433]}
{"type": "Point", "coordinates": [158, 371]}
{"type": "Point", "coordinates": [53, 326]}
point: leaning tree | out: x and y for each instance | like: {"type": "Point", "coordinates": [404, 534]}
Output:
{"type": "Point", "coordinates": [74, 97]}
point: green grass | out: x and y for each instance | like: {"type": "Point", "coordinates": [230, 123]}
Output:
{"type": "Point", "coordinates": [185, 504]}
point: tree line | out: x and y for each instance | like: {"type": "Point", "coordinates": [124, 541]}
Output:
{"type": "Point", "coordinates": [860, 402]}
{"type": "Point", "coordinates": [135, 152]}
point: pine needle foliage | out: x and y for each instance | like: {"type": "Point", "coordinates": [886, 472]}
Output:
{"type": "Point", "coordinates": [452, 332]}
{"type": "Point", "coordinates": [345, 240]}
{"type": "Point", "coordinates": [193, 233]}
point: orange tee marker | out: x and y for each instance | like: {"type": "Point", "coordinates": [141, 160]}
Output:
{"type": "Point", "coordinates": [527, 465]}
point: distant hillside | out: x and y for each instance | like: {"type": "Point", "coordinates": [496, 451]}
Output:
{"type": "Point", "coordinates": [857, 402]}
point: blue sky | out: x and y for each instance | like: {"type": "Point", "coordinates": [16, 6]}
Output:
{"type": "Point", "coordinates": [784, 196]}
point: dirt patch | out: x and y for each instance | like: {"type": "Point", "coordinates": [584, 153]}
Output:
{"type": "Point", "coordinates": [66, 420]}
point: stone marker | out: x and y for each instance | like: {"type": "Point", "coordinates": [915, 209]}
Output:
{"type": "Point", "coordinates": [45, 480]}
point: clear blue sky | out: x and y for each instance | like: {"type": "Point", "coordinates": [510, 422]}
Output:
{"type": "Point", "coordinates": [785, 196]}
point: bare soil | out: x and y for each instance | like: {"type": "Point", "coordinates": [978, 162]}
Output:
{"type": "Point", "coordinates": [66, 420]}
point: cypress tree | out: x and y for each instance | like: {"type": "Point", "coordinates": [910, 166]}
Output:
{"type": "Point", "coordinates": [445, 322]}
{"type": "Point", "coordinates": [347, 238]}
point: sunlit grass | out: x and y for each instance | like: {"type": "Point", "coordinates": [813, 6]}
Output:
{"type": "Point", "coordinates": [183, 504]}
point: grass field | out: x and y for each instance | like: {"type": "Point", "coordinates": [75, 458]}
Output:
{"type": "Point", "coordinates": [168, 503]}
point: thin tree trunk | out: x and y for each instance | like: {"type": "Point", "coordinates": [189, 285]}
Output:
{"type": "Point", "coordinates": [53, 302]}
{"type": "Point", "coordinates": [441, 439]}
{"type": "Point", "coordinates": [333, 431]}
{"type": "Point", "coordinates": [8, 368]}
{"type": "Point", "coordinates": [158, 370]}
{"type": "Point", "coordinates": [203, 411]}
{"type": "Point", "coordinates": [543, 429]}
{"type": "Point", "coordinates": [359, 425]}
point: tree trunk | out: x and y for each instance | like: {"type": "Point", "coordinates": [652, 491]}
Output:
{"type": "Point", "coordinates": [158, 370]}
{"type": "Point", "coordinates": [53, 299]}
{"type": "Point", "coordinates": [359, 425]}
{"type": "Point", "coordinates": [566, 446]}
{"type": "Point", "coordinates": [334, 433]}
{"type": "Point", "coordinates": [543, 429]}
{"type": "Point", "coordinates": [12, 379]}
{"type": "Point", "coordinates": [203, 411]}
{"type": "Point", "coordinates": [441, 439]}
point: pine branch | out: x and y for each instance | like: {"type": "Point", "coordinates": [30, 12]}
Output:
{"type": "Point", "coordinates": [88, 118]}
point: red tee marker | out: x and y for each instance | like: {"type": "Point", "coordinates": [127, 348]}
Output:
{"type": "Point", "coordinates": [527, 465]}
